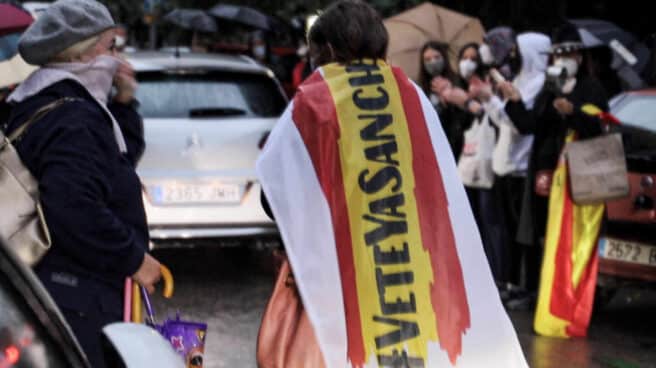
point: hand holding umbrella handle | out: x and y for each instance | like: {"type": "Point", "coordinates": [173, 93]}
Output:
{"type": "Point", "coordinates": [140, 297]}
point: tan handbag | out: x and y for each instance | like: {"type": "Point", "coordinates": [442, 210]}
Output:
{"type": "Point", "coordinates": [597, 169]}
{"type": "Point", "coordinates": [22, 224]}
{"type": "Point", "coordinates": [286, 338]}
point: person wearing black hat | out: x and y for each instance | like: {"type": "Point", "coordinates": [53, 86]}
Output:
{"type": "Point", "coordinates": [557, 109]}
{"type": "Point", "coordinates": [83, 153]}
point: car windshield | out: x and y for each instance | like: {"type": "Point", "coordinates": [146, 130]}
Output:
{"type": "Point", "coordinates": [638, 111]}
{"type": "Point", "coordinates": [208, 94]}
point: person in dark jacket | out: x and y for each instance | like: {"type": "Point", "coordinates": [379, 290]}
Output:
{"type": "Point", "coordinates": [83, 154]}
{"type": "Point", "coordinates": [557, 110]}
{"type": "Point", "coordinates": [435, 73]}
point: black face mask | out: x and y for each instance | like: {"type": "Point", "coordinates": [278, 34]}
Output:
{"type": "Point", "coordinates": [511, 67]}
{"type": "Point", "coordinates": [506, 71]}
{"type": "Point", "coordinates": [515, 63]}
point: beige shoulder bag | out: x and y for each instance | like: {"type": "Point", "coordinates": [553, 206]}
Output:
{"type": "Point", "coordinates": [22, 224]}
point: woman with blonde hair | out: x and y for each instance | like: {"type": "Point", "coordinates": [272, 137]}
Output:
{"type": "Point", "coordinates": [83, 152]}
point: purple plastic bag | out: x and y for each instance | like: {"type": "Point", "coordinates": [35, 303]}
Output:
{"type": "Point", "coordinates": [187, 338]}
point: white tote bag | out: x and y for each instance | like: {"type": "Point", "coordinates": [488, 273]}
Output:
{"type": "Point", "coordinates": [502, 161]}
{"type": "Point", "coordinates": [475, 164]}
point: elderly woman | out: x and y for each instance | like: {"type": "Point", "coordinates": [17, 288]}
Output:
{"type": "Point", "coordinates": [83, 153]}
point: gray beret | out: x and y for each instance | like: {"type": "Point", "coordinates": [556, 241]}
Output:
{"type": "Point", "coordinates": [63, 24]}
{"type": "Point", "coordinates": [501, 41]}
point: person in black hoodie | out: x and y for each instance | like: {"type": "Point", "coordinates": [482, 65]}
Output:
{"type": "Point", "coordinates": [83, 154]}
{"type": "Point", "coordinates": [557, 110]}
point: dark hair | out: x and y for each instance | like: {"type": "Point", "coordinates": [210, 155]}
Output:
{"type": "Point", "coordinates": [481, 70]}
{"type": "Point", "coordinates": [468, 46]}
{"type": "Point", "coordinates": [354, 30]}
{"type": "Point", "coordinates": [447, 72]}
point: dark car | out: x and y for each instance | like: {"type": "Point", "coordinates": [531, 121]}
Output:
{"type": "Point", "coordinates": [628, 247]}
{"type": "Point", "coordinates": [32, 331]}
{"type": "Point", "coordinates": [34, 334]}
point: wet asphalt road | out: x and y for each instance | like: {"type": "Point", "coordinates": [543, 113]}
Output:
{"type": "Point", "coordinates": [228, 288]}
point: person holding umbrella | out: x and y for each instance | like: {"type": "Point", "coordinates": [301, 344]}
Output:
{"type": "Point", "coordinates": [83, 153]}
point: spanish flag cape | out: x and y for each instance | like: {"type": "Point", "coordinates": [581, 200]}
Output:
{"type": "Point", "coordinates": [569, 267]}
{"type": "Point", "coordinates": [377, 227]}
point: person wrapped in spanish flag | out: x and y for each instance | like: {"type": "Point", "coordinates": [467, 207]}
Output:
{"type": "Point", "coordinates": [384, 249]}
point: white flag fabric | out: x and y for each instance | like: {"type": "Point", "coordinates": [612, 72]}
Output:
{"type": "Point", "coordinates": [377, 227]}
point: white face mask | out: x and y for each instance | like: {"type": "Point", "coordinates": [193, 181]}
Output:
{"type": "Point", "coordinates": [467, 68]}
{"type": "Point", "coordinates": [568, 63]}
{"type": "Point", "coordinates": [259, 51]}
{"type": "Point", "coordinates": [486, 54]}
{"type": "Point", "coordinates": [97, 75]}
{"type": "Point", "coordinates": [119, 41]}
{"type": "Point", "coordinates": [302, 51]}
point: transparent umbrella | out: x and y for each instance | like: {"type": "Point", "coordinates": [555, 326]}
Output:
{"type": "Point", "coordinates": [630, 56]}
{"type": "Point", "coordinates": [193, 19]}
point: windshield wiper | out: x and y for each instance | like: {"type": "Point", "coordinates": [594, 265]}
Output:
{"type": "Point", "coordinates": [215, 111]}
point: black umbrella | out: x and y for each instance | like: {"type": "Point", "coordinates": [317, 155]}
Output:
{"type": "Point", "coordinates": [242, 14]}
{"type": "Point", "coordinates": [630, 56]}
{"type": "Point", "coordinates": [193, 19]}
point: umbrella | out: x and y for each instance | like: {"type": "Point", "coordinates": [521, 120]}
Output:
{"type": "Point", "coordinates": [242, 14]}
{"type": "Point", "coordinates": [193, 19]}
{"type": "Point", "coordinates": [9, 46]}
{"type": "Point", "coordinates": [186, 337]}
{"type": "Point", "coordinates": [13, 19]}
{"type": "Point", "coordinates": [596, 32]}
{"type": "Point", "coordinates": [630, 56]}
{"type": "Point", "coordinates": [14, 70]}
{"type": "Point", "coordinates": [410, 30]}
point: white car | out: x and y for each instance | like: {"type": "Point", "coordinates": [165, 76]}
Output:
{"type": "Point", "coordinates": [206, 118]}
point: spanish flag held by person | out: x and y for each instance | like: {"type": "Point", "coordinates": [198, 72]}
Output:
{"type": "Point", "coordinates": [569, 267]}
{"type": "Point", "coordinates": [384, 249]}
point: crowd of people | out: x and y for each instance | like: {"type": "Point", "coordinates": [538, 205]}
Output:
{"type": "Point", "coordinates": [506, 110]}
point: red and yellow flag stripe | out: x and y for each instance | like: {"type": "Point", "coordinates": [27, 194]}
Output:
{"type": "Point", "coordinates": [569, 267]}
{"type": "Point", "coordinates": [401, 278]}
